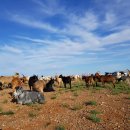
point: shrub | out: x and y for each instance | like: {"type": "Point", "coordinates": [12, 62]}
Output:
{"type": "Point", "coordinates": [60, 127]}
{"type": "Point", "coordinates": [121, 87]}
{"type": "Point", "coordinates": [7, 113]}
{"type": "Point", "coordinates": [29, 104]}
{"type": "Point", "coordinates": [5, 101]}
{"type": "Point", "coordinates": [91, 103]}
{"type": "Point", "coordinates": [94, 118]}
{"type": "Point", "coordinates": [54, 97]}
{"type": "Point", "coordinates": [94, 112]}
{"type": "Point", "coordinates": [1, 109]}
{"type": "Point", "coordinates": [128, 98]}
{"type": "Point", "coordinates": [76, 107]}
{"type": "Point", "coordinates": [47, 124]}
{"type": "Point", "coordinates": [75, 94]}
{"type": "Point", "coordinates": [65, 105]}
{"type": "Point", "coordinates": [31, 114]}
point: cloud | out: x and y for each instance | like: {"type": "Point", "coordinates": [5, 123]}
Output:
{"type": "Point", "coordinates": [31, 22]}
{"type": "Point", "coordinates": [50, 7]}
{"type": "Point", "coordinates": [76, 40]}
{"type": "Point", "coordinates": [117, 37]}
{"type": "Point", "coordinates": [7, 48]}
{"type": "Point", "coordinates": [33, 40]}
{"type": "Point", "coordinates": [88, 21]}
{"type": "Point", "coordinates": [83, 40]}
{"type": "Point", "coordinates": [110, 18]}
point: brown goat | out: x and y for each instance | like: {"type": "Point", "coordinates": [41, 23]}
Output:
{"type": "Point", "coordinates": [6, 79]}
{"type": "Point", "coordinates": [39, 86]}
{"type": "Point", "coordinates": [88, 80]}
{"type": "Point", "coordinates": [105, 79]}
{"type": "Point", "coordinates": [42, 85]}
{"type": "Point", "coordinates": [58, 81]}
{"type": "Point", "coordinates": [16, 81]}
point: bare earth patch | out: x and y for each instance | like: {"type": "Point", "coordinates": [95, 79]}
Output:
{"type": "Point", "coordinates": [68, 109]}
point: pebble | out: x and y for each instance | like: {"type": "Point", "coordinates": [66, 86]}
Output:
{"type": "Point", "coordinates": [3, 124]}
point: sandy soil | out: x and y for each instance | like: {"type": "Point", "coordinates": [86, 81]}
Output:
{"type": "Point", "coordinates": [69, 109]}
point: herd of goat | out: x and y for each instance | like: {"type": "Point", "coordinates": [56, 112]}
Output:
{"type": "Point", "coordinates": [45, 84]}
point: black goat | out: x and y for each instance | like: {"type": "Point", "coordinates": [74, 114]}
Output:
{"type": "Point", "coordinates": [32, 80]}
{"type": "Point", "coordinates": [1, 85]}
{"type": "Point", "coordinates": [66, 79]}
{"type": "Point", "coordinates": [49, 87]}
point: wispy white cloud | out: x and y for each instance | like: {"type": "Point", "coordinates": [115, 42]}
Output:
{"type": "Point", "coordinates": [62, 52]}
{"type": "Point", "coordinates": [31, 22]}
{"type": "Point", "coordinates": [110, 18]}
{"type": "Point", "coordinates": [88, 21]}
{"type": "Point", "coordinates": [50, 7]}
{"type": "Point", "coordinates": [11, 49]}
{"type": "Point", "coordinates": [78, 43]}
{"type": "Point", "coordinates": [33, 40]}
{"type": "Point", "coordinates": [117, 37]}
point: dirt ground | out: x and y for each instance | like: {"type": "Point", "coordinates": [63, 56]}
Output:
{"type": "Point", "coordinates": [67, 109]}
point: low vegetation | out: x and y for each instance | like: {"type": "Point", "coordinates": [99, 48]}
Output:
{"type": "Point", "coordinates": [1, 109]}
{"type": "Point", "coordinates": [94, 118]}
{"type": "Point", "coordinates": [128, 98]}
{"type": "Point", "coordinates": [94, 112]}
{"type": "Point", "coordinates": [75, 94]}
{"type": "Point", "coordinates": [54, 96]}
{"type": "Point", "coordinates": [120, 88]}
{"type": "Point", "coordinates": [47, 124]}
{"type": "Point", "coordinates": [65, 105]}
{"type": "Point", "coordinates": [60, 127]}
{"type": "Point", "coordinates": [30, 104]}
{"type": "Point", "coordinates": [5, 101]}
{"type": "Point", "coordinates": [76, 107]}
{"type": "Point", "coordinates": [91, 103]}
{"type": "Point", "coordinates": [7, 112]}
{"type": "Point", "coordinates": [32, 114]}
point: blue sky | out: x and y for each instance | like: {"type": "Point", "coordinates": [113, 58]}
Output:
{"type": "Point", "coordinates": [51, 37]}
